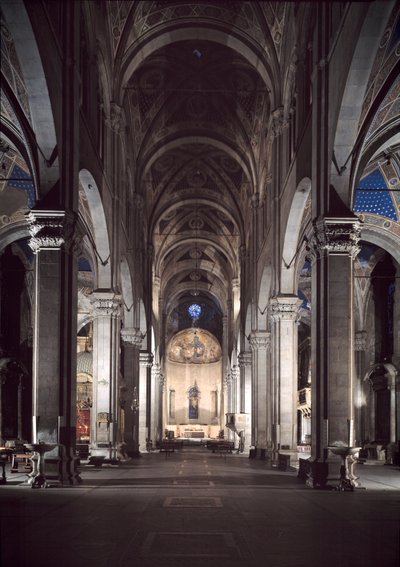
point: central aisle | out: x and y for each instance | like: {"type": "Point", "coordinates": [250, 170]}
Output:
{"type": "Point", "coordinates": [198, 509]}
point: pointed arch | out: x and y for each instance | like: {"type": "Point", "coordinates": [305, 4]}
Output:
{"type": "Point", "coordinates": [99, 238]}
{"type": "Point", "coordinates": [292, 234]}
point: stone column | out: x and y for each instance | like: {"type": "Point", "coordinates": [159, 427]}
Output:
{"type": "Point", "coordinates": [284, 311]}
{"type": "Point", "coordinates": [227, 389]}
{"type": "Point", "coordinates": [332, 247]}
{"type": "Point", "coordinates": [132, 339]}
{"type": "Point", "coordinates": [260, 343]}
{"type": "Point", "coordinates": [225, 392]}
{"type": "Point", "coordinates": [145, 364]}
{"type": "Point", "coordinates": [246, 395]}
{"type": "Point", "coordinates": [53, 242]}
{"type": "Point", "coordinates": [361, 388]}
{"type": "Point", "coordinates": [106, 324]}
{"type": "Point", "coordinates": [157, 385]}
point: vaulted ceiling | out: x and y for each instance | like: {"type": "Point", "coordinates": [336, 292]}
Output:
{"type": "Point", "coordinates": [198, 112]}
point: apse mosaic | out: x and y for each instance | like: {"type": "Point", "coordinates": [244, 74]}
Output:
{"type": "Point", "coordinates": [194, 346]}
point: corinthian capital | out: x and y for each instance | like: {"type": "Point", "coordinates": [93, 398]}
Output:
{"type": "Point", "coordinates": [106, 304]}
{"type": "Point", "coordinates": [50, 230]}
{"type": "Point", "coordinates": [132, 336]}
{"type": "Point", "coordinates": [146, 359]}
{"type": "Point", "coordinates": [244, 359]}
{"type": "Point", "coordinates": [339, 236]}
{"type": "Point", "coordinates": [260, 340]}
{"type": "Point", "coordinates": [285, 308]}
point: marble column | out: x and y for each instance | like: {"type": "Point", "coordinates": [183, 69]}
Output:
{"type": "Point", "coordinates": [361, 388]}
{"type": "Point", "coordinates": [106, 334]}
{"type": "Point", "coordinates": [145, 364]}
{"type": "Point", "coordinates": [260, 343]}
{"type": "Point", "coordinates": [132, 339]}
{"type": "Point", "coordinates": [53, 241]}
{"type": "Point", "coordinates": [156, 391]}
{"type": "Point", "coordinates": [244, 360]}
{"type": "Point", "coordinates": [284, 312]}
{"type": "Point", "coordinates": [332, 248]}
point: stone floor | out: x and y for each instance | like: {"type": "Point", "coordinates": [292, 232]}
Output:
{"type": "Point", "coordinates": [195, 509]}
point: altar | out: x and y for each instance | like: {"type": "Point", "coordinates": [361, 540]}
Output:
{"type": "Point", "coordinates": [188, 434]}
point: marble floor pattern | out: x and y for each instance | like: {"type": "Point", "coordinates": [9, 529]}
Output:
{"type": "Point", "coordinates": [196, 508]}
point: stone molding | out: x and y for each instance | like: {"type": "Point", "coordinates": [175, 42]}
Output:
{"type": "Point", "coordinates": [106, 304]}
{"type": "Point", "coordinates": [132, 336]}
{"type": "Point", "coordinates": [260, 340]}
{"type": "Point", "coordinates": [285, 308]}
{"type": "Point", "coordinates": [146, 359]}
{"type": "Point", "coordinates": [338, 236]}
{"type": "Point", "coordinates": [50, 230]}
{"type": "Point", "coordinates": [360, 341]}
{"type": "Point", "coordinates": [244, 359]}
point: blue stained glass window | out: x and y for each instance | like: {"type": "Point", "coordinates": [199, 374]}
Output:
{"type": "Point", "coordinates": [371, 196]}
{"type": "Point", "coordinates": [194, 310]}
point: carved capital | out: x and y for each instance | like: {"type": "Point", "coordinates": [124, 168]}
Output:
{"type": "Point", "coordinates": [260, 340]}
{"type": "Point", "coordinates": [138, 201]}
{"type": "Point", "coordinates": [106, 304]}
{"type": "Point", "coordinates": [132, 336]}
{"type": "Point", "coordinates": [158, 375]}
{"type": "Point", "coordinates": [285, 308]}
{"type": "Point", "coordinates": [278, 122]}
{"type": "Point", "coordinates": [255, 201]}
{"type": "Point", "coordinates": [360, 341]}
{"type": "Point", "coordinates": [146, 359]}
{"type": "Point", "coordinates": [244, 359]}
{"type": "Point", "coordinates": [116, 120]}
{"type": "Point", "coordinates": [235, 372]}
{"type": "Point", "coordinates": [339, 236]}
{"type": "Point", "coordinates": [50, 230]}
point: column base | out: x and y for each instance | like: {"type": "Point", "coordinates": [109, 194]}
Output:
{"type": "Point", "coordinates": [287, 459]}
{"type": "Point", "coordinates": [317, 474]}
{"type": "Point", "coordinates": [262, 453]}
{"type": "Point", "coordinates": [105, 450]}
{"type": "Point", "coordinates": [59, 468]}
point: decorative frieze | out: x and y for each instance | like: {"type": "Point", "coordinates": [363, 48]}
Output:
{"type": "Point", "coordinates": [260, 340]}
{"type": "Point", "coordinates": [285, 308]}
{"type": "Point", "coordinates": [106, 304]}
{"type": "Point", "coordinates": [339, 236]}
{"type": "Point", "coordinates": [50, 230]}
{"type": "Point", "coordinates": [132, 336]}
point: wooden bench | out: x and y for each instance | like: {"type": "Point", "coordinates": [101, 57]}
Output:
{"type": "Point", "coordinates": [168, 446]}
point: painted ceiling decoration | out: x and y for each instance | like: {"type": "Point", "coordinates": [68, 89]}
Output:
{"type": "Point", "coordinates": [373, 195]}
{"type": "Point", "coordinates": [194, 346]}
